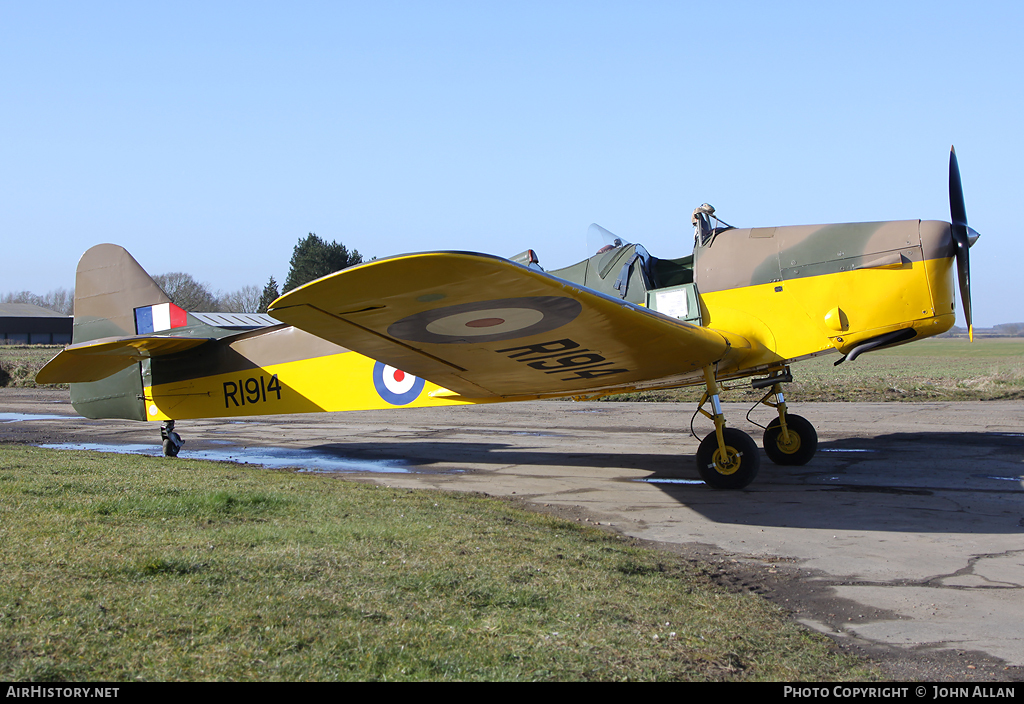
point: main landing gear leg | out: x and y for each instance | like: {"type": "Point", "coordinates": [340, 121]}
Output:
{"type": "Point", "coordinates": [788, 439]}
{"type": "Point", "coordinates": [172, 442]}
{"type": "Point", "coordinates": [727, 458]}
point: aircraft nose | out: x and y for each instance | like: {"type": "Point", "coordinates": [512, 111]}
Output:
{"type": "Point", "coordinates": [937, 240]}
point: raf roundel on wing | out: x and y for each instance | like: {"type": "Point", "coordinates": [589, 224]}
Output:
{"type": "Point", "coordinates": [488, 321]}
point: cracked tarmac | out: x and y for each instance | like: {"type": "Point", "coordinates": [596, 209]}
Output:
{"type": "Point", "coordinates": [906, 531]}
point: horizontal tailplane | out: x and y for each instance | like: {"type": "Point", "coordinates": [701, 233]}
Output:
{"type": "Point", "coordinates": [97, 359]}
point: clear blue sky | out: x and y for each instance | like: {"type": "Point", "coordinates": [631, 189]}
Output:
{"type": "Point", "coordinates": [208, 137]}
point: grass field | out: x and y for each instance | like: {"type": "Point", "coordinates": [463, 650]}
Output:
{"type": "Point", "coordinates": [19, 363]}
{"type": "Point", "coordinates": [121, 568]}
{"type": "Point", "coordinates": [933, 369]}
{"type": "Point", "coordinates": [930, 370]}
{"type": "Point", "coordinates": [937, 369]}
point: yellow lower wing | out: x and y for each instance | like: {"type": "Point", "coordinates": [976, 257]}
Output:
{"type": "Point", "coordinates": [487, 328]}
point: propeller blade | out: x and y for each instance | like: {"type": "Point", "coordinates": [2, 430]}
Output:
{"type": "Point", "coordinates": [961, 237]}
{"type": "Point", "coordinates": [957, 209]}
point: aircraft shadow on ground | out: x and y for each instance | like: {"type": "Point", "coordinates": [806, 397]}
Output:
{"type": "Point", "coordinates": [921, 482]}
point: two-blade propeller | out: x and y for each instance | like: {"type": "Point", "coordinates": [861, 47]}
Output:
{"type": "Point", "coordinates": [963, 237]}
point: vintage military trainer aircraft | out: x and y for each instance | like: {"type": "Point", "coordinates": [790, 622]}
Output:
{"type": "Point", "coordinates": [450, 328]}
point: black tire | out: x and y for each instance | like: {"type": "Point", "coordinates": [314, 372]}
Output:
{"type": "Point", "coordinates": [171, 448]}
{"type": "Point", "coordinates": [740, 466]}
{"type": "Point", "coordinates": [803, 441]}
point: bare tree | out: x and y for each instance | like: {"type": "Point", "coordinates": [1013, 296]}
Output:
{"type": "Point", "coordinates": [1011, 329]}
{"type": "Point", "coordinates": [59, 300]}
{"type": "Point", "coordinates": [244, 300]}
{"type": "Point", "coordinates": [186, 292]}
{"type": "Point", "coordinates": [22, 297]}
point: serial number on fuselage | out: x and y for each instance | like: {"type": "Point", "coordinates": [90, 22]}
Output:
{"type": "Point", "coordinates": [251, 390]}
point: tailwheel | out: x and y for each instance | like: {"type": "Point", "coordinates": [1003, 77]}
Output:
{"type": "Point", "coordinates": [732, 469]}
{"type": "Point", "coordinates": [802, 444]}
{"type": "Point", "coordinates": [171, 441]}
{"type": "Point", "coordinates": [171, 448]}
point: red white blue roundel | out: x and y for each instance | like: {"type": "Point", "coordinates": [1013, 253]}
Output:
{"type": "Point", "coordinates": [488, 321]}
{"type": "Point", "coordinates": [395, 386]}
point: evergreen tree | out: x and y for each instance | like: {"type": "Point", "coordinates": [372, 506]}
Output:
{"type": "Point", "coordinates": [268, 296]}
{"type": "Point", "coordinates": [313, 258]}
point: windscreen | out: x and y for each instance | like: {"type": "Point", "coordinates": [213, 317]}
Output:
{"type": "Point", "coordinates": [600, 240]}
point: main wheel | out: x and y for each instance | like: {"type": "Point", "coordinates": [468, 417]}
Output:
{"type": "Point", "coordinates": [803, 441]}
{"type": "Point", "coordinates": [733, 470]}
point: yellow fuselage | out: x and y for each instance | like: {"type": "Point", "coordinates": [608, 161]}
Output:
{"type": "Point", "coordinates": [776, 295]}
{"type": "Point", "coordinates": [791, 320]}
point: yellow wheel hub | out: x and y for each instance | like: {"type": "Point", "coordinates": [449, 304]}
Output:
{"type": "Point", "coordinates": [731, 463]}
{"type": "Point", "coordinates": [790, 448]}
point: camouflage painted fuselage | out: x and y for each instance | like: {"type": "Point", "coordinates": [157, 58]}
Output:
{"type": "Point", "coordinates": [796, 291]}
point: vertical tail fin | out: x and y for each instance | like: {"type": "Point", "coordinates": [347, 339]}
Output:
{"type": "Point", "coordinates": [109, 286]}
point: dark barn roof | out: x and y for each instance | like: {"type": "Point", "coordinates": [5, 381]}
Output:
{"type": "Point", "coordinates": [25, 323]}
{"type": "Point", "coordinates": [27, 310]}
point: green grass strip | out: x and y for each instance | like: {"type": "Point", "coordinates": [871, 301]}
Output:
{"type": "Point", "coordinates": [119, 568]}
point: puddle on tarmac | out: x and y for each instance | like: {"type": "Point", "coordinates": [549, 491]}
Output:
{"type": "Point", "coordinates": [15, 417]}
{"type": "Point", "coordinates": [1004, 479]}
{"type": "Point", "coordinates": [305, 460]}
{"type": "Point", "coordinates": [669, 481]}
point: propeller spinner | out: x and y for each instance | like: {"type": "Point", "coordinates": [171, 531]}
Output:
{"type": "Point", "coordinates": [963, 237]}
